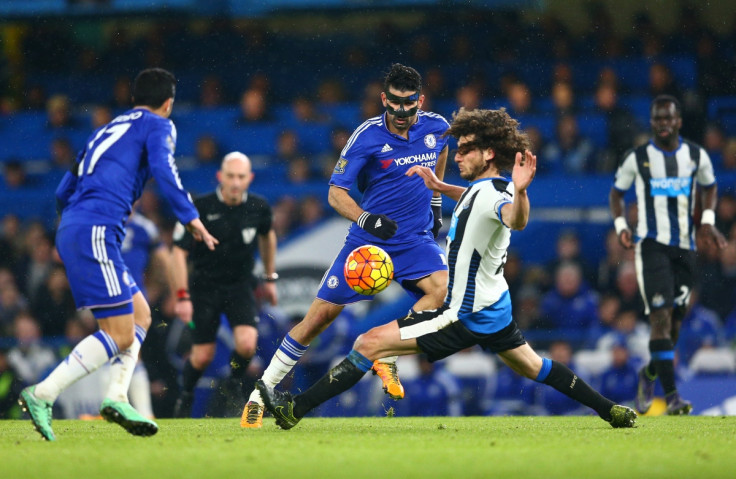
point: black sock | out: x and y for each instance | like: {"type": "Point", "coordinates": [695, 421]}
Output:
{"type": "Point", "coordinates": [239, 370]}
{"type": "Point", "coordinates": [189, 377]}
{"type": "Point", "coordinates": [337, 380]}
{"type": "Point", "coordinates": [663, 354]}
{"type": "Point", "coordinates": [564, 380]}
{"type": "Point", "coordinates": [651, 372]}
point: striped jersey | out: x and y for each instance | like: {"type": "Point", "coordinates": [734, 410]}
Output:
{"type": "Point", "coordinates": [378, 160]}
{"type": "Point", "coordinates": [477, 243]}
{"type": "Point", "coordinates": [665, 190]}
{"type": "Point", "coordinates": [115, 164]}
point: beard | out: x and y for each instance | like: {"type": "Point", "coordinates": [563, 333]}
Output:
{"type": "Point", "coordinates": [472, 173]}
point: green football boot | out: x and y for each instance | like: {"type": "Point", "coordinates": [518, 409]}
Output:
{"type": "Point", "coordinates": [124, 414]}
{"type": "Point", "coordinates": [40, 411]}
{"type": "Point", "coordinates": [622, 416]}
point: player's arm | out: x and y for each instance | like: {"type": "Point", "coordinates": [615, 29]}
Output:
{"type": "Point", "coordinates": [68, 184]}
{"type": "Point", "coordinates": [709, 198]}
{"type": "Point", "coordinates": [163, 167]}
{"type": "Point", "coordinates": [435, 184]}
{"type": "Point", "coordinates": [436, 203]}
{"type": "Point", "coordinates": [516, 214]}
{"type": "Point", "coordinates": [267, 248]}
{"type": "Point", "coordinates": [625, 175]}
{"type": "Point", "coordinates": [380, 226]}
{"type": "Point", "coordinates": [179, 281]}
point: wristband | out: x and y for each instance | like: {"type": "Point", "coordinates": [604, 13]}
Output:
{"type": "Point", "coordinates": [620, 224]}
{"type": "Point", "coordinates": [436, 201]}
{"type": "Point", "coordinates": [182, 294]}
{"type": "Point", "coordinates": [708, 217]}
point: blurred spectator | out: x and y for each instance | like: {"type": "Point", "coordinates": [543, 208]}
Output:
{"type": "Point", "coordinates": [571, 304]}
{"type": "Point", "coordinates": [39, 265]}
{"type": "Point", "coordinates": [563, 99]}
{"type": "Point", "coordinates": [569, 152]}
{"type": "Point", "coordinates": [467, 96]}
{"type": "Point", "coordinates": [622, 127]}
{"type": "Point", "coordinates": [619, 381]}
{"type": "Point", "coordinates": [100, 115]}
{"type": "Point", "coordinates": [520, 99]}
{"type": "Point", "coordinates": [253, 107]}
{"type": "Point", "coordinates": [14, 175]}
{"type": "Point", "coordinates": [627, 287]}
{"type": "Point", "coordinates": [434, 392]}
{"type": "Point", "coordinates": [211, 94]}
{"type": "Point", "coordinates": [701, 328]}
{"type": "Point", "coordinates": [287, 147]}
{"type": "Point", "coordinates": [608, 308]}
{"type": "Point", "coordinates": [35, 98]}
{"type": "Point", "coordinates": [284, 216]}
{"type": "Point", "coordinates": [636, 334]}
{"type": "Point", "coordinates": [327, 160]}
{"type": "Point", "coordinates": [53, 303]}
{"type": "Point", "coordinates": [62, 153]}
{"type": "Point", "coordinates": [59, 113]}
{"type": "Point", "coordinates": [311, 211]}
{"type": "Point", "coordinates": [729, 155]}
{"type": "Point", "coordinates": [207, 151]}
{"type": "Point", "coordinates": [615, 255]}
{"type": "Point", "coordinates": [661, 82]}
{"type": "Point", "coordinates": [11, 242]}
{"type": "Point", "coordinates": [527, 312]}
{"type": "Point", "coordinates": [12, 302]}
{"type": "Point", "coordinates": [567, 250]}
{"type": "Point", "coordinates": [714, 141]}
{"type": "Point", "coordinates": [29, 357]}
{"type": "Point", "coordinates": [122, 94]}
{"type": "Point", "coordinates": [303, 111]}
{"type": "Point", "coordinates": [331, 92]}
{"type": "Point", "coordinates": [298, 171]}
{"type": "Point", "coordinates": [10, 390]}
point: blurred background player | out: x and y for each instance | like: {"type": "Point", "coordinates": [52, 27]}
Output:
{"type": "Point", "coordinates": [222, 280]}
{"type": "Point", "coordinates": [95, 199]}
{"type": "Point", "coordinates": [478, 306]}
{"type": "Point", "coordinates": [396, 213]}
{"type": "Point", "coordinates": [668, 172]}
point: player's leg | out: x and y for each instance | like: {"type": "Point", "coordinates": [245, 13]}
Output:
{"type": "Point", "coordinates": [525, 361]}
{"type": "Point", "coordinates": [116, 406]}
{"type": "Point", "coordinates": [200, 356]}
{"type": "Point", "coordinates": [426, 280]}
{"type": "Point", "coordinates": [378, 342]}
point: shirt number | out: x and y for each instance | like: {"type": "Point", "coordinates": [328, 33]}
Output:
{"type": "Point", "coordinates": [114, 132]}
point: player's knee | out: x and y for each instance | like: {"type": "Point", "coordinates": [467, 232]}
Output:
{"type": "Point", "coordinates": [368, 343]}
{"type": "Point", "coordinates": [202, 358]}
{"type": "Point", "coordinates": [124, 340]}
{"type": "Point", "coordinates": [247, 350]}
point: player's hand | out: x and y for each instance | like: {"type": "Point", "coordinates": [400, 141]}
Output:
{"type": "Point", "coordinates": [712, 236]}
{"type": "Point", "coordinates": [184, 310]}
{"type": "Point", "coordinates": [269, 292]}
{"type": "Point", "coordinates": [626, 239]}
{"type": "Point", "coordinates": [200, 233]}
{"type": "Point", "coordinates": [525, 167]}
{"type": "Point", "coordinates": [430, 179]}
{"type": "Point", "coordinates": [380, 226]}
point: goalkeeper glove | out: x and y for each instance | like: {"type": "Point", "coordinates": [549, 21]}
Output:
{"type": "Point", "coordinates": [378, 225]}
{"type": "Point", "coordinates": [436, 205]}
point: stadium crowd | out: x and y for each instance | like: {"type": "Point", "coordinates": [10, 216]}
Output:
{"type": "Point", "coordinates": [290, 99]}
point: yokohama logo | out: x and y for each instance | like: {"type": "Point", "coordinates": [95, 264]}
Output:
{"type": "Point", "coordinates": [410, 160]}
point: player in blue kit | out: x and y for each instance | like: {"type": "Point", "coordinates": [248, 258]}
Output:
{"type": "Point", "coordinates": [95, 200]}
{"type": "Point", "coordinates": [396, 213]}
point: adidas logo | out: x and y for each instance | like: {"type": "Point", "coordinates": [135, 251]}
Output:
{"type": "Point", "coordinates": [386, 148]}
{"type": "Point", "coordinates": [378, 223]}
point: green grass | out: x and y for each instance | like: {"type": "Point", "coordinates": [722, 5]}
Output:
{"type": "Point", "coordinates": [391, 448]}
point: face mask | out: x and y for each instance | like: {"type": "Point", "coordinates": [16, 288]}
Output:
{"type": "Point", "coordinates": [402, 101]}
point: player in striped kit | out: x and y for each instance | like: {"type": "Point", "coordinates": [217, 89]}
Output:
{"type": "Point", "coordinates": [477, 309]}
{"type": "Point", "coordinates": [95, 200]}
{"type": "Point", "coordinates": [668, 171]}
{"type": "Point", "coordinates": [396, 213]}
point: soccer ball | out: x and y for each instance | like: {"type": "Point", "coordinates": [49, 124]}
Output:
{"type": "Point", "coordinates": [368, 270]}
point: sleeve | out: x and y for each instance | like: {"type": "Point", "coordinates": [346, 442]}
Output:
{"type": "Point", "coordinates": [160, 145]}
{"type": "Point", "coordinates": [352, 160]}
{"type": "Point", "coordinates": [266, 219]}
{"type": "Point", "coordinates": [705, 175]}
{"type": "Point", "coordinates": [499, 199]}
{"type": "Point", "coordinates": [626, 172]}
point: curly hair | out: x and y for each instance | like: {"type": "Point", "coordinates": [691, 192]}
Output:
{"type": "Point", "coordinates": [403, 78]}
{"type": "Point", "coordinates": [493, 129]}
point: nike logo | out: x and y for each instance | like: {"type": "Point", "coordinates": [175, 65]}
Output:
{"type": "Point", "coordinates": [213, 217]}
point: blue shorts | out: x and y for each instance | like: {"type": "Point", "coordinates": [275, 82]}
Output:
{"type": "Point", "coordinates": [98, 278]}
{"type": "Point", "coordinates": [412, 261]}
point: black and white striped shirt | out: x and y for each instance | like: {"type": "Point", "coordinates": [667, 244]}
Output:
{"type": "Point", "coordinates": [665, 190]}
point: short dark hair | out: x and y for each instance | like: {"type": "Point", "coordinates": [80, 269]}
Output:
{"type": "Point", "coordinates": [494, 129]}
{"type": "Point", "coordinates": [152, 87]}
{"type": "Point", "coordinates": [403, 78]}
{"type": "Point", "coordinates": [662, 99]}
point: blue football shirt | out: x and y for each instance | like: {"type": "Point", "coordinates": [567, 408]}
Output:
{"type": "Point", "coordinates": [117, 161]}
{"type": "Point", "coordinates": [378, 160]}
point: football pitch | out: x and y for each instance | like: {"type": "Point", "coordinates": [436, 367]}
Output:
{"type": "Point", "coordinates": [385, 447]}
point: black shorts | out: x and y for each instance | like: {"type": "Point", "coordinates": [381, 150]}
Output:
{"type": "Point", "coordinates": [438, 339]}
{"type": "Point", "coordinates": [666, 274]}
{"type": "Point", "coordinates": [236, 301]}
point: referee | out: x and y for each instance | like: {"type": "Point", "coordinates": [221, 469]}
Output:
{"type": "Point", "coordinates": [667, 172]}
{"type": "Point", "coordinates": [222, 280]}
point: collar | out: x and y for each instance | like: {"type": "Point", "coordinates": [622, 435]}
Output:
{"type": "Point", "coordinates": [665, 152]}
{"type": "Point", "coordinates": [491, 178]}
{"type": "Point", "coordinates": [218, 191]}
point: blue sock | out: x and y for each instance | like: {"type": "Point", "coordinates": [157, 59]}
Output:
{"type": "Point", "coordinates": [360, 361]}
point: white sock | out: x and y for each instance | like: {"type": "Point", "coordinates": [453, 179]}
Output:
{"type": "Point", "coordinates": [91, 353]}
{"type": "Point", "coordinates": [140, 391]}
{"type": "Point", "coordinates": [122, 367]}
{"type": "Point", "coordinates": [281, 364]}
{"type": "Point", "coordinates": [389, 360]}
